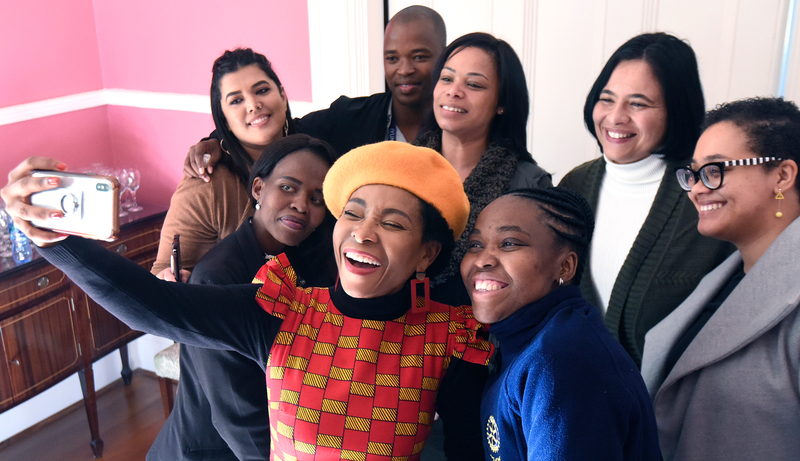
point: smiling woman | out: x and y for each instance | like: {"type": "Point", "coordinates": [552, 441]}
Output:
{"type": "Point", "coordinates": [354, 371]}
{"type": "Point", "coordinates": [645, 110]}
{"type": "Point", "coordinates": [479, 123]}
{"type": "Point", "coordinates": [563, 388]}
{"type": "Point", "coordinates": [379, 213]}
{"type": "Point", "coordinates": [250, 111]}
{"type": "Point", "coordinates": [722, 369]}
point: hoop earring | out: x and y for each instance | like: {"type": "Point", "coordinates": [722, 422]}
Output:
{"type": "Point", "coordinates": [286, 127]}
{"type": "Point", "coordinates": [420, 279]}
{"type": "Point", "coordinates": [223, 148]}
{"type": "Point", "coordinates": [779, 197]}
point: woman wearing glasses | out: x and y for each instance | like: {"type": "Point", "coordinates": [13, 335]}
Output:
{"type": "Point", "coordinates": [724, 367]}
{"type": "Point", "coordinates": [645, 110]}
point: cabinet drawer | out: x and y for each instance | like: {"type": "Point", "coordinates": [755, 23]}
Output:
{"type": "Point", "coordinates": [137, 244]}
{"type": "Point", "coordinates": [29, 286]}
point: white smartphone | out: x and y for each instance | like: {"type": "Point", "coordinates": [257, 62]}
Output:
{"type": "Point", "coordinates": [90, 204]}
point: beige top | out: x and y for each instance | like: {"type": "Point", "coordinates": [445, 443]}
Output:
{"type": "Point", "coordinates": [202, 213]}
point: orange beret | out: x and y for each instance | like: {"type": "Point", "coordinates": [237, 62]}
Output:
{"type": "Point", "coordinates": [419, 170]}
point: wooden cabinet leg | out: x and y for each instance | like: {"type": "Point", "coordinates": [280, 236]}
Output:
{"type": "Point", "coordinates": [90, 402]}
{"type": "Point", "coordinates": [127, 374]}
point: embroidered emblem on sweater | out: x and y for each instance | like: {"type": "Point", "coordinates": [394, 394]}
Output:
{"type": "Point", "coordinates": [493, 436]}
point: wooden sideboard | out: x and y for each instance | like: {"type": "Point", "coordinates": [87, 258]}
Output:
{"type": "Point", "coordinates": [50, 329]}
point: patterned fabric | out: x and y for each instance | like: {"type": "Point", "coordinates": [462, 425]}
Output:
{"type": "Point", "coordinates": [346, 388]}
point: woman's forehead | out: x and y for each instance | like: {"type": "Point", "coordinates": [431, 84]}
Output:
{"type": "Point", "coordinates": [510, 211]}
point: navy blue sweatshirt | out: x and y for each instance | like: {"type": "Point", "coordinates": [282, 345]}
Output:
{"type": "Point", "coordinates": [565, 389]}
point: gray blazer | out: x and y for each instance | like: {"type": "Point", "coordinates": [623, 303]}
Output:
{"type": "Point", "coordinates": [734, 393]}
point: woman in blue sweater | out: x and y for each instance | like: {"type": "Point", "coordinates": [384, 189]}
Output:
{"type": "Point", "coordinates": [563, 387]}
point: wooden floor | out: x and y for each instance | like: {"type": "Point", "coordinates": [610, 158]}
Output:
{"type": "Point", "coordinates": [130, 417]}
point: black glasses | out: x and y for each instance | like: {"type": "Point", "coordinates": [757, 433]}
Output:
{"type": "Point", "coordinates": [711, 173]}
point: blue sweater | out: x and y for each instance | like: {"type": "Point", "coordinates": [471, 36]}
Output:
{"type": "Point", "coordinates": [564, 388]}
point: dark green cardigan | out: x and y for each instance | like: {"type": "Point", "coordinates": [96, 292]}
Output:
{"type": "Point", "coordinates": [665, 264]}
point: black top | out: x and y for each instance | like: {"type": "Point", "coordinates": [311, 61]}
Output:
{"type": "Point", "coordinates": [348, 123]}
{"type": "Point", "coordinates": [228, 317]}
{"type": "Point", "coordinates": [220, 411]}
{"type": "Point", "coordinates": [688, 336]}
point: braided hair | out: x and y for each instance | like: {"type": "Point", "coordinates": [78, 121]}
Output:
{"type": "Point", "coordinates": [569, 216]}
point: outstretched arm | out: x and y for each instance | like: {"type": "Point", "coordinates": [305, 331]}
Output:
{"type": "Point", "coordinates": [218, 317]}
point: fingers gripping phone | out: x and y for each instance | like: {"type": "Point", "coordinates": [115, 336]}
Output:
{"type": "Point", "coordinates": [90, 204]}
{"type": "Point", "coordinates": [175, 258]}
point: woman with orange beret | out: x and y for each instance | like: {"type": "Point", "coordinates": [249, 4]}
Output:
{"type": "Point", "coordinates": [354, 371]}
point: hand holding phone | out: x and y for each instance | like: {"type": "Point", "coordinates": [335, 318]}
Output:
{"type": "Point", "coordinates": [175, 258]}
{"type": "Point", "coordinates": [89, 202]}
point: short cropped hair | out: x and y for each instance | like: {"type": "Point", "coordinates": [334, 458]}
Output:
{"type": "Point", "coordinates": [423, 13]}
{"type": "Point", "coordinates": [772, 126]}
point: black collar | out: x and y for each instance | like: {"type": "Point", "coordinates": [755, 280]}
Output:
{"type": "Point", "coordinates": [382, 308]}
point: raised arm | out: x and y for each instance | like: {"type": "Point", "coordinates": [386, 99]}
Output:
{"type": "Point", "coordinates": [218, 317]}
{"type": "Point", "coordinates": [205, 316]}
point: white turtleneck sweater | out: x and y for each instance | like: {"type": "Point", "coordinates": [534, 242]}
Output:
{"type": "Point", "coordinates": [626, 196]}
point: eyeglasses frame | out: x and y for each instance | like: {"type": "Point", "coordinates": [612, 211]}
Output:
{"type": "Point", "coordinates": [698, 177]}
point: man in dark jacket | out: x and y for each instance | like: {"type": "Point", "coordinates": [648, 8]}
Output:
{"type": "Point", "coordinates": [413, 41]}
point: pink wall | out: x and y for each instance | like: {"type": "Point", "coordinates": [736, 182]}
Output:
{"type": "Point", "coordinates": [48, 48]}
{"type": "Point", "coordinates": [51, 48]}
{"type": "Point", "coordinates": [156, 142]}
{"type": "Point", "coordinates": [77, 138]}
{"type": "Point", "coordinates": [169, 46]}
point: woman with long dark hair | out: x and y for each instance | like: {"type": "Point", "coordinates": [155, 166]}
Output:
{"type": "Point", "coordinates": [250, 111]}
{"type": "Point", "coordinates": [645, 110]}
{"type": "Point", "coordinates": [479, 123]}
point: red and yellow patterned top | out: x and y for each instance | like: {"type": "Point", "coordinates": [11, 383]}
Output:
{"type": "Point", "coordinates": [345, 388]}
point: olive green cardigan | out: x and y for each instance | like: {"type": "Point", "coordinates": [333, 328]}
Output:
{"type": "Point", "coordinates": [665, 264]}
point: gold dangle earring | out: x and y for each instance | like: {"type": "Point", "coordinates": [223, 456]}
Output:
{"type": "Point", "coordinates": [779, 197]}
